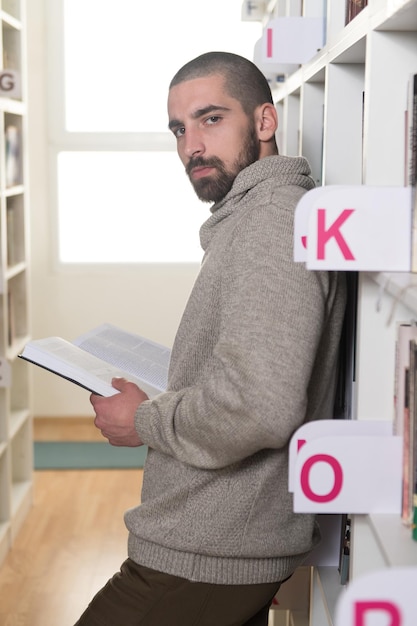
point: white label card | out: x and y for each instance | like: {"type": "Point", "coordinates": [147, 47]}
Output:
{"type": "Point", "coordinates": [354, 228]}
{"type": "Point", "coordinates": [341, 466]}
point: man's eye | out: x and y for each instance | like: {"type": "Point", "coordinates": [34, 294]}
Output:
{"type": "Point", "coordinates": [178, 132]}
{"type": "Point", "coordinates": [213, 119]}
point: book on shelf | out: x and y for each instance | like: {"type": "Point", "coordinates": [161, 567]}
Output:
{"type": "Point", "coordinates": [11, 332]}
{"type": "Point", "coordinates": [404, 334]}
{"type": "Point", "coordinates": [345, 387]}
{"type": "Point", "coordinates": [105, 352]}
{"type": "Point", "coordinates": [344, 557]}
{"type": "Point", "coordinates": [410, 167]}
{"type": "Point", "coordinates": [413, 430]}
{"type": "Point", "coordinates": [11, 235]}
{"type": "Point", "coordinates": [405, 416]}
{"type": "Point", "coordinates": [404, 392]}
{"type": "Point", "coordinates": [12, 137]}
{"type": "Point", "coordinates": [353, 8]}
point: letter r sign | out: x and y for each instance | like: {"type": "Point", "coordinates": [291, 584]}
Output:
{"type": "Point", "coordinates": [365, 609]}
{"type": "Point", "coordinates": [379, 598]}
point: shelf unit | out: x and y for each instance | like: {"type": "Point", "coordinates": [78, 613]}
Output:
{"type": "Point", "coordinates": [16, 456]}
{"type": "Point", "coordinates": [345, 111]}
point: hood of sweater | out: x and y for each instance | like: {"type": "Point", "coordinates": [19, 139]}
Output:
{"type": "Point", "coordinates": [284, 170]}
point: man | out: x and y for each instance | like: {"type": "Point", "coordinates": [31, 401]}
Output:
{"type": "Point", "coordinates": [255, 356]}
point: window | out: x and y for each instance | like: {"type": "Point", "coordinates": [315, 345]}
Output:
{"type": "Point", "coordinates": [121, 191]}
{"type": "Point", "coordinates": [138, 214]}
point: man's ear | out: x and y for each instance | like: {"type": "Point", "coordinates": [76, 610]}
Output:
{"type": "Point", "coordinates": [266, 121]}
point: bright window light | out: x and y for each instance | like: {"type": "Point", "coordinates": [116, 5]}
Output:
{"type": "Point", "coordinates": [127, 207]}
{"type": "Point", "coordinates": [116, 205]}
{"type": "Point", "coordinates": [120, 56]}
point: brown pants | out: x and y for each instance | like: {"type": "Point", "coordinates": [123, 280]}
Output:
{"type": "Point", "coordinates": [138, 596]}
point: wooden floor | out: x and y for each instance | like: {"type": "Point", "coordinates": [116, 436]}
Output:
{"type": "Point", "coordinates": [73, 540]}
{"type": "Point", "coordinates": [65, 429]}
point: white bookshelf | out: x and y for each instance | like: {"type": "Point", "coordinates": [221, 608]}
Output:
{"type": "Point", "coordinates": [344, 110]}
{"type": "Point", "coordinates": [16, 457]}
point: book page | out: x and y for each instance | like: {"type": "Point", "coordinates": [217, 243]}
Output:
{"type": "Point", "coordinates": [69, 361]}
{"type": "Point", "coordinates": [146, 360]}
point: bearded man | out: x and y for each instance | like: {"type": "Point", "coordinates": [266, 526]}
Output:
{"type": "Point", "coordinates": [254, 358]}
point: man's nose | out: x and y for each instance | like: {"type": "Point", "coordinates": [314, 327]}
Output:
{"type": "Point", "coordinates": [194, 145]}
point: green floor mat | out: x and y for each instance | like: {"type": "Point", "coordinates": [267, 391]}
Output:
{"type": "Point", "coordinates": [85, 455]}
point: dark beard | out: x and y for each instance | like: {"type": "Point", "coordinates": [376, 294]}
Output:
{"type": "Point", "coordinates": [215, 188]}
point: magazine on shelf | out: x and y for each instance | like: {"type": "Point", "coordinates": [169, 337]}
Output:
{"type": "Point", "coordinates": [106, 352]}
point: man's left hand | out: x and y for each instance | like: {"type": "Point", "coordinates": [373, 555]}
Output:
{"type": "Point", "coordinates": [115, 415]}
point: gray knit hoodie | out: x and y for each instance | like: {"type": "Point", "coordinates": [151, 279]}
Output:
{"type": "Point", "coordinates": [254, 358]}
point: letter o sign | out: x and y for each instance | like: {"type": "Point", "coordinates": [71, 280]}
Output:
{"type": "Point", "coordinates": [337, 480]}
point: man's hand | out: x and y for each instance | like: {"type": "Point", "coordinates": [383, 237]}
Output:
{"type": "Point", "coordinates": [115, 415]}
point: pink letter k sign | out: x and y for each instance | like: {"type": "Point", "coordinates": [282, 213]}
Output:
{"type": "Point", "coordinates": [323, 235]}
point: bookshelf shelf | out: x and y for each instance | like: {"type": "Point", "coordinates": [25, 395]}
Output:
{"type": "Point", "coordinates": [13, 107]}
{"type": "Point", "coordinates": [17, 420]}
{"type": "Point", "coordinates": [12, 8]}
{"type": "Point", "coordinates": [394, 540]}
{"type": "Point", "coordinates": [326, 590]}
{"type": "Point", "coordinates": [16, 269]}
{"type": "Point", "coordinates": [10, 21]}
{"type": "Point", "coordinates": [20, 491]}
{"type": "Point", "coordinates": [16, 445]}
{"type": "Point", "coordinates": [401, 287]}
{"type": "Point", "coordinates": [345, 111]}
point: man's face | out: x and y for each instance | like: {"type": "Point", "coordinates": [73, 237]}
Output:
{"type": "Point", "coordinates": [215, 137]}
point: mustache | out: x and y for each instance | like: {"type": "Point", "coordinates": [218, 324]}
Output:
{"type": "Point", "coordinates": [202, 162]}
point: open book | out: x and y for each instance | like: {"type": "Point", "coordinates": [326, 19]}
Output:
{"type": "Point", "coordinates": [105, 352]}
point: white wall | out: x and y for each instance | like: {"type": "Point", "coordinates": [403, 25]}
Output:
{"type": "Point", "coordinates": [147, 299]}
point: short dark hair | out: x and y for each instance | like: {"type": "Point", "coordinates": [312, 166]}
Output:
{"type": "Point", "coordinates": [243, 79]}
